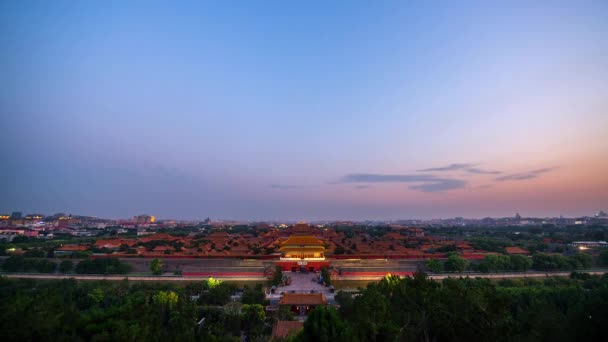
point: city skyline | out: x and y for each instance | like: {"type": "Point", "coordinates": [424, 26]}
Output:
{"type": "Point", "coordinates": [274, 111]}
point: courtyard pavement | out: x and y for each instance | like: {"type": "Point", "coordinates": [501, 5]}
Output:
{"type": "Point", "coordinates": [301, 283]}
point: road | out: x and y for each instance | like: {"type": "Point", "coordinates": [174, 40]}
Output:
{"type": "Point", "coordinates": [122, 277]}
{"type": "Point", "coordinates": [534, 274]}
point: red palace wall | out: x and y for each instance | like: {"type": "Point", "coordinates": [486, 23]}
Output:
{"type": "Point", "coordinates": [311, 265]}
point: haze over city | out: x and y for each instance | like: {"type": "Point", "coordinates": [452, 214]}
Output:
{"type": "Point", "coordinates": [339, 110]}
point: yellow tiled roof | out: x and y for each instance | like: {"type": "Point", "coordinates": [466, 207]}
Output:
{"type": "Point", "coordinates": [302, 240]}
{"type": "Point", "coordinates": [302, 249]}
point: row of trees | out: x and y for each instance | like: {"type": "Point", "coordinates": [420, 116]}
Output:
{"type": "Point", "coordinates": [103, 266]}
{"type": "Point", "coordinates": [547, 262]}
{"type": "Point", "coordinates": [499, 262]}
{"type": "Point", "coordinates": [17, 263]}
{"type": "Point", "coordinates": [465, 309]}
{"type": "Point", "coordinates": [21, 264]}
{"type": "Point", "coordinates": [454, 263]}
{"type": "Point", "coordinates": [495, 263]}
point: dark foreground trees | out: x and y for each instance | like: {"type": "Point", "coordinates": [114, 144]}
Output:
{"type": "Point", "coordinates": [394, 309]}
{"type": "Point", "coordinates": [67, 310]}
{"type": "Point", "coordinates": [466, 309]}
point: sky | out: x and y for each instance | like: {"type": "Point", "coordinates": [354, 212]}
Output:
{"type": "Point", "coordinates": [304, 110]}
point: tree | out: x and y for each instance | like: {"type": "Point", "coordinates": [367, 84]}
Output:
{"type": "Point", "coordinates": [102, 266]}
{"type": "Point", "coordinates": [546, 262]}
{"type": "Point", "coordinates": [14, 263]}
{"type": "Point", "coordinates": [345, 300]}
{"type": "Point", "coordinates": [434, 265]}
{"type": "Point", "coordinates": [277, 277]}
{"type": "Point", "coordinates": [215, 292]}
{"type": "Point", "coordinates": [326, 276]}
{"type": "Point", "coordinates": [254, 295]}
{"type": "Point", "coordinates": [493, 263]}
{"type": "Point", "coordinates": [212, 282]}
{"type": "Point", "coordinates": [455, 263]}
{"type": "Point", "coordinates": [156, 267]}
{"type": "Point", "coordinates": [45, 266]}
{"type": "Point", "coordinates": [166, 298]}
{"type": "Point", "coordinates": [66, 266]}
{"type": "Point", "coordinates": [34, 253]}
{"type": "Point", "coordinates": [584, 259]}
{"type": "Point", "coordinates": [323, 324]}
{"type": "Point", "coordinates": [253, 320]}
{"type": "Point", "coordinates": [520, 262]}
{"type": "Point", "coordinates": [604, 257]}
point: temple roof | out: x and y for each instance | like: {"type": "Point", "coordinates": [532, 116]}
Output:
{"type": "Point", "coordinates": [303, 299]}
{"type": "Point", "coordinates": [302, 240]}
{"type": "Point", "coordinates": [303, 249]}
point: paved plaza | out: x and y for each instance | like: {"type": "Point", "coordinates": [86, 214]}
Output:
{"type": "Point", "coordinates": [301, 283]}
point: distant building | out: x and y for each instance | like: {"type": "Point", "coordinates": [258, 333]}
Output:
{"type": "Point", "coordinates": [16, 215]}
{"type": "Point", "coordinates": [589, 244]}
{"type": "Point", "coordinates": [66, 221]}
{"type": "Point", "coordinates": [143, 219]}
{"type": "Point", "coordinates": [34, 217]}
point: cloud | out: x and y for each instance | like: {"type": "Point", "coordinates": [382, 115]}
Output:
{"type": "Point", "coordinates": [360, 187]}
{"type": "Point", "coordinates": [430, 183]}
{"type": "Point", "coordinates": [440, 185]}
{"type": "Point", "coordinates": [480, 171]}
{"type": "Point", "coordinates": [283, 186]}
{"type": "Point", "coordinates": [451, 167]}
{"type": "Point", "coordinates": [525, 175]}
{"type": "Point", "coordinates": [380, 178]}
{"type": "Point", "coordinates": [470, 168]}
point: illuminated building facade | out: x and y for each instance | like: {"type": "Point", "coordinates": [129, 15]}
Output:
{"type": "Point", "coordinates": [302, 251]}
{"type": "Point", "coordinates": [143, 219]}
{"type": "Point", "coordinates": [302, 248]}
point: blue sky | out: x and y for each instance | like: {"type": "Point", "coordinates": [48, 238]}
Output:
{"type": "Point", "coordinates": [274, 110]}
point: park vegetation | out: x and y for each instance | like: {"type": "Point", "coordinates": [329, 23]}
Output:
{"type": "Point", "coordinates": [67, 310]}
{"type": "Point", "coordinates": [466, 309]}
